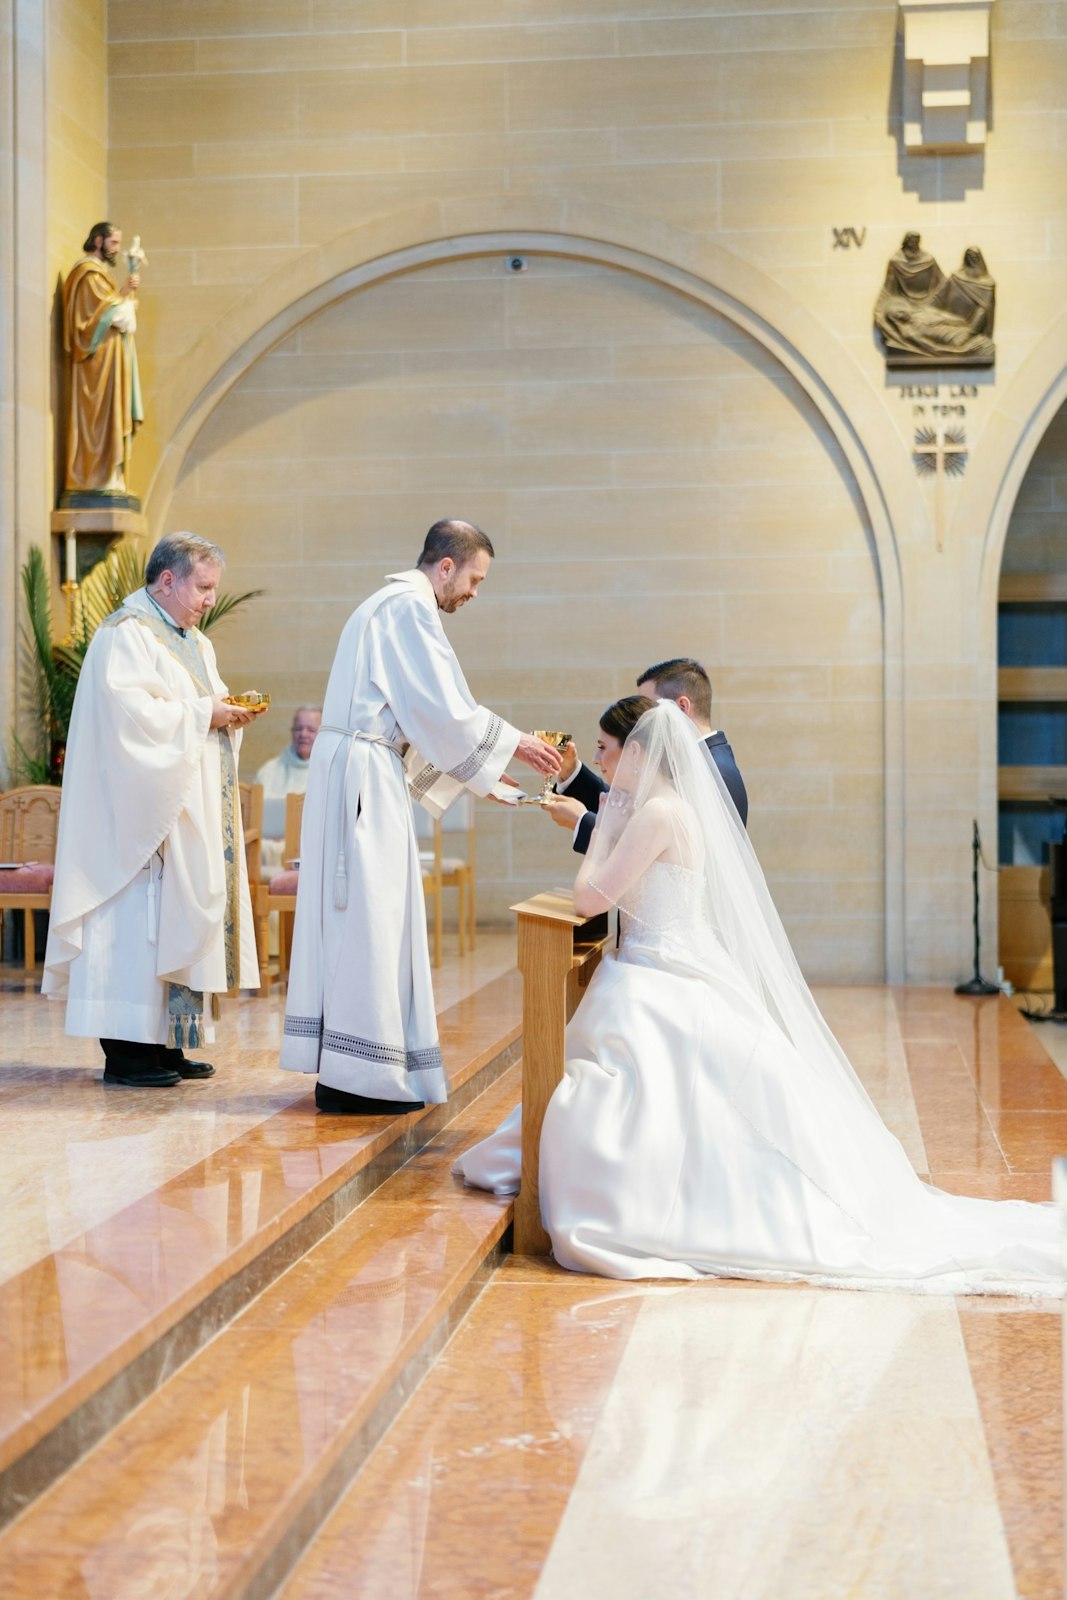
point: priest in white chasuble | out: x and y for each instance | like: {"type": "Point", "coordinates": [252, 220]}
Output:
{"type": "Point", "coordinates": [398, 716]}
{"type": "Point", "coordinates": [151, 916]}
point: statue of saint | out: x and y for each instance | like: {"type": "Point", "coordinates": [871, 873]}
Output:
{"type": "Point", "coordinates": [926, 319]}
{"type": "Point", "coordinates": [99, 323]}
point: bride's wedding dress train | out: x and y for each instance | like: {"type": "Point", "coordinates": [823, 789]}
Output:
{"type": "Point", "coordinates": [698, 1132]}
{"type": "Point", "coordinates": [650, 1169]}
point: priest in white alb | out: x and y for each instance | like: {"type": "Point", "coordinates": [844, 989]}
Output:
{"type": "Point", "coordinates": [286, 774]}
{"type": "Point", "coordinates": [398, 720]}
{"type": "Point", "coordinates": [151, 916]}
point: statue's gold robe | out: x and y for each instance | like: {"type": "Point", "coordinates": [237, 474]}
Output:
{"type": "Point", "coordinates": [105, 406]}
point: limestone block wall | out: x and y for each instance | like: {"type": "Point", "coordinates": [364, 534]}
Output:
{"type": "Point", "coordinates": [241, 136]}
{"type": "Point", "coordinates": [654, 485]}
{"type": "Point", "coordinates": [77, 127]}
{"type": "Point", "coordinates": [244, 141]}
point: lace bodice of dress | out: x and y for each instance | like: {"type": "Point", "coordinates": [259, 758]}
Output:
{"type": "Point", "coordinates": [666, 901]}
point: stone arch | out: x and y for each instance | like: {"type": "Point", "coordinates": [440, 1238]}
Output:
{"type": "Point", "coordinates": [1009, 442]}
{"type": "Point", "coordinates": [703, 272]}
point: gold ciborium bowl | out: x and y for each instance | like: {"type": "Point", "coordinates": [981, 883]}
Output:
{"type": "Point", "coordinates": [250, 700]}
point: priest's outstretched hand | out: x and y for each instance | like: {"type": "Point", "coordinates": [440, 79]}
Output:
{"type": "Point", "coordinates": [535, 753]}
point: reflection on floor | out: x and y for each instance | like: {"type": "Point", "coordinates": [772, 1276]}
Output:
{"type": "Point", "coordinates": [1053, 1035]}
{"type": "Point", "coordinates": [50, 1188]}
{"type": "Point", "coordinates": [394, 1408]}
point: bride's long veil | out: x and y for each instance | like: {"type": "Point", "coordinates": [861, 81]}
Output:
{"type": "Point", "coordinates": [666, 763]}
{"type": "Point", "coordinates": [839, 1202]}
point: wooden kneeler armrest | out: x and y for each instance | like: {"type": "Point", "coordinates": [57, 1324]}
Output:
{"type": "Point", "coordinates": [555, 969]}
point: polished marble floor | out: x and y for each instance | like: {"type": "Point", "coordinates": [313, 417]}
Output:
{"type": "Point", "coordinates": [1053, 1035]}
{"type": "Point", "coordinates": [573, 1438]}
{"type": "Point", "coordinates": [717, 1439]}
{"type": "Point", "coordinates": [76, 1152]}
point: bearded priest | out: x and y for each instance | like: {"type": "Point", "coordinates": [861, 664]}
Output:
{"type": "Point", "coordinates": [151, 917]}
{"type": "Point", "coordinates": [398, 720]}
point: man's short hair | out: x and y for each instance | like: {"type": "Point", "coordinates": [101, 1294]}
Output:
{"type": "Point", "coordinates": [682, 675]}
{"type": "Point", "coordinates": [180, 553]}
{"type": "Point", "coordinates": [99, 230]}
{"type": "Point", "coordinates": [303, 711]}
{"type": "Point", "coordinates": [460, 541]}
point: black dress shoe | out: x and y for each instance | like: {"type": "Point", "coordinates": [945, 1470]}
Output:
{"type": "Point", "coordinates": [148, 1075]}
{"type": "Point", "coordinates": [361, 1105]}
{"type": "Point", "coordinates": [185, 1069]}
{"type": "Point", "coordinates": [137, 1066]}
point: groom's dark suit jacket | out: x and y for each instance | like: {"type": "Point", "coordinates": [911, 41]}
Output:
{"type": "Point", "coordinates": [587, 786]}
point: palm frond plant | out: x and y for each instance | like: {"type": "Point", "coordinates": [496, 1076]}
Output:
{"type": "Point", "coordinates": [51, 670]}
{"type": "Point", "coordinates": [47, 686]}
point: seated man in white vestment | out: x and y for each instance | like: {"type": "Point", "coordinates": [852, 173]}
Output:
{"type": "Point", "coordinates": [398, 719]}
{"type": "Point", "coordinates": [284, 774]}
{"type": "Point", "coordinates": [151, 917]}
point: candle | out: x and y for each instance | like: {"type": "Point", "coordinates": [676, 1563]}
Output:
{"type": "Point", "coordinates": [72, 558]}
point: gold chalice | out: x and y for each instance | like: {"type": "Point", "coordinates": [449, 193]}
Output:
{"type": "Point", "coordinates": [250, 700]}
{"type": "Point", "coordinates": [555, 741]}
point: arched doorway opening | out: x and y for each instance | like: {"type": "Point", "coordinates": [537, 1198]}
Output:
{"type": "Point", "coordinates": [1032, 709]}
{"type": "Point", "coordinates": [584, 404]}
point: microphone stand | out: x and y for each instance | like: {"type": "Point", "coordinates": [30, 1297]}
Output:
{"type": "Point", "coordinates": [977, 984]}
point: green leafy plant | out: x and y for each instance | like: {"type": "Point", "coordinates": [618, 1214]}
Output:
{"type": "Point", "coordinates": [51, 670]}
{"type": "Point", "coordinates": [47, 685]}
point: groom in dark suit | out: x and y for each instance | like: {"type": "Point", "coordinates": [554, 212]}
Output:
{"type": "Point", "coordinates": [686, 683]}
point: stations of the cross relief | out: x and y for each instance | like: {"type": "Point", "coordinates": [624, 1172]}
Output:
{"type": "Point", "coordinates": [928, 322]}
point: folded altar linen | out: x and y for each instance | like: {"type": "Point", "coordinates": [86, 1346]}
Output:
{"type": "Point", "coordinates": [507, 793]}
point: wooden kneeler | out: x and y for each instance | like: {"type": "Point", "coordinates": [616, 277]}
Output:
{"type": "Point", "coordinates": [556, 966]}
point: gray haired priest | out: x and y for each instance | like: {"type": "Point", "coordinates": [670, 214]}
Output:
{"type": "Point", "coordinates": [151, 916]}
{"type": "Point", "coordinates": [398, 721]}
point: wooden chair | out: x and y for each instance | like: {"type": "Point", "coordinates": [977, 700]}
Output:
{"type": "Point", "coordinates": [440, 871]}
{"type": "Point", "coordinates": [29, 821]}
{"type": "Point", "coordinates": [280, 894]}
{"type": "Point", "coordinates": [252, 827]}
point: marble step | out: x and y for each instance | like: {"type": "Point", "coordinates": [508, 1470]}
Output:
{"type": "Point", "coordinates": [220, 1480]}
{"type": "Point", "coordinates": [88, 1332]}
{"type": "Point", "coordinates": [466, 1493]}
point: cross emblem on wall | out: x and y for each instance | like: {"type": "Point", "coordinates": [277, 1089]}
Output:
{"type": "Point", "coordinates": [943, 452]}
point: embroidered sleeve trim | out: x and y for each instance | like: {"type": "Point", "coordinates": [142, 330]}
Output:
{"type": "Point", "coordinates": [476, 761]}
{"type": "Point", "coordinates": [304, 1027]}
{"type": "Point", "coordinates": [348, 1044]}
{"type": "Point", "coordinates": [423, 782]}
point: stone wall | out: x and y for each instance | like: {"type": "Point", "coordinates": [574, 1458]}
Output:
{"type": "Point", "coordinates": [249, 143]}
{"type": "Point", "coordinates": [654, 485]}
{"type": "Point", "coordinates": [727, 385]}
{"type": "Point", "coordinates": [77, 126]}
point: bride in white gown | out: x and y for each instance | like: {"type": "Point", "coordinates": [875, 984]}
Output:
{"type": "Point", "coordinates": [708, 1122]}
